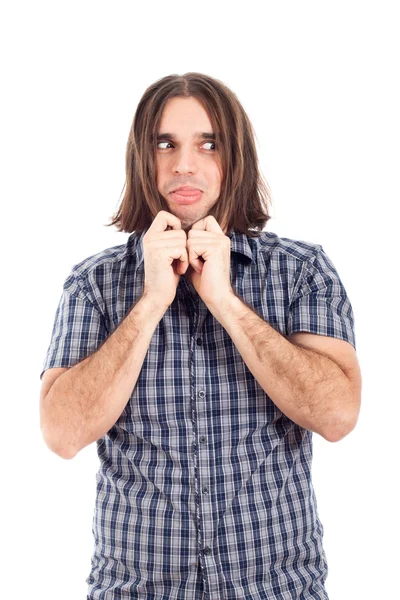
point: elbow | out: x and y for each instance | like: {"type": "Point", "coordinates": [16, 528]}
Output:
{"type": "Point", "coordinates": [53, 438]}
{"type": "Point", "coordinates": [335, 435]}
{"type": "Point", "coordinates": [340, 427]}
{"type": "Point", "coordinates": [66, 454]}
{"type": "Point", "coordinates": [56, 447]}
{"type": "Point", "coordinates": [63, 454]}
{"type": "Point", "coordinates": [347, 411]}
{"type": "Point", "coordinates": [345, 417]}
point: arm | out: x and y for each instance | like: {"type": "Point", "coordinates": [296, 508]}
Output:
{"type": "Point", "coordinates": [308, 387]}
{"type": "Point", "coordinates": [85, 401]}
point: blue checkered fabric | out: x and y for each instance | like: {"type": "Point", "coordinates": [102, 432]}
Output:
{"type": "Point", "coordinates": [204, 486]}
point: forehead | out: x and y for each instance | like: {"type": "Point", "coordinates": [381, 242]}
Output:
{"type": "Point", "coordinates": [185, 116]}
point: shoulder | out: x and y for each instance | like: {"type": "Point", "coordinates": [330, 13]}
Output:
{"type": "Point", "coordinates": [99, 271]}
{"type": "Point", "coordinates": [306, 261]}
{"type": "Point", "coordinates": [273, 246]}
{"type": "Point", "coordinates": [107, 259]}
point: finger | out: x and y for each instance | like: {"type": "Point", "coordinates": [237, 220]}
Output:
{"type": "Point", "coordinates": [209, 223]}
{"type": "Point", "coordinates": [172, 246]}
{"type": "Point", "coordinates": [183, 262]}
{"type": "Point", "coordinates": [195, 259]}
{"type": "Point", "coordinates": [166, 221]}
{"type": "Point", "coordinates": [162, 221]}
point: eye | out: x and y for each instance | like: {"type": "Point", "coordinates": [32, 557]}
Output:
{"type": "Point", "coordinates": [158, 145]}
{"type": "Point", "coordinates": [170, 143]}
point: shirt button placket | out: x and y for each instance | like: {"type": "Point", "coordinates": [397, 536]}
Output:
{"type": "Point", "coordinates": [206, 509]}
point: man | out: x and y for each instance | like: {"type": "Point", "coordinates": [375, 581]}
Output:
{"type": "Point", "coordinates": [200, 356]}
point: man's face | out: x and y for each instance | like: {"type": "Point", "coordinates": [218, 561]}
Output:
{"type": "Point", "coordinates": [187, 159]}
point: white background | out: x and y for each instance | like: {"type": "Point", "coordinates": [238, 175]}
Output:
{"type": "Point", "coordinates": [320, 83]}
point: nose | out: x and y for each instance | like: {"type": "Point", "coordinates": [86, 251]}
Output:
{"type": "Point", "coordinates": [184, 161]}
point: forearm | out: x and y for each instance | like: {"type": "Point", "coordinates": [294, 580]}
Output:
{"type": "Point", "coordinates": [307, 387]}
{"type": "Point", "coordinates": [86, 401]}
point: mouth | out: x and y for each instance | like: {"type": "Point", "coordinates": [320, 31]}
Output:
{"type": "Point", "coordinates": [187, 190]}
{"type": "Point", "coordinates": [186, 196]}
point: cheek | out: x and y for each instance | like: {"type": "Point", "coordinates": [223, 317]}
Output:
{"type": "Point", "coordinates": [163, 173]}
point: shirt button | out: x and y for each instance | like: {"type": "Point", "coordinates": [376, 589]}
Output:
{"type": "Point", "coordinates": [199, 341]}
{"type": "Point", "coordinates": [201, 394]}
{"type": "Point", "coordinates": [206, 550]}
{"type": "Point", "coordinates": [205, 490]}
{"type": "Point", "coordinates": [202, 439]}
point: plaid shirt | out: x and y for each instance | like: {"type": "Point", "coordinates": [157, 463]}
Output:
{"type": "Point", "coordinates": [204, 486]}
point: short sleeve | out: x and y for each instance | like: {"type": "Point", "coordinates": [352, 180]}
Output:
{"type": "Point", "coordinates": [320, 304]}
{"type": "Point", "coordinates": [78, 329]}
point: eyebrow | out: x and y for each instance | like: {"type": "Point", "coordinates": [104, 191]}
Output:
{"type": "Point", "coordinates": [205, 135]}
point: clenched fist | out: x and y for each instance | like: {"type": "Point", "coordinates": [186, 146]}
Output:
{"type": "Point", "coordinates": [165, 257]}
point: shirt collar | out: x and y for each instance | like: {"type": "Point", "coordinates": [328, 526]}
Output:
{"type": "Point", "coordinates": [243, 248]}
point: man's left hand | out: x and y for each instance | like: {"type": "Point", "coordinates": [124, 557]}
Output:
{"type": "Point", "coordinates": [211, 278]}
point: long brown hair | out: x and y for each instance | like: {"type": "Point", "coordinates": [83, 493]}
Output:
{"type": "Point", "coordinates": [243, 202]}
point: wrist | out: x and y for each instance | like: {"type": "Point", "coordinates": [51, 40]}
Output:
{"type": "Point", "coordinates": [224, 305]}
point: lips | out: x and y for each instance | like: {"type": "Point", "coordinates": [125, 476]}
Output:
{"type": "Point", "coordinates": [186, 196]}
{"type": "Point", "coordinates": [187, 191]}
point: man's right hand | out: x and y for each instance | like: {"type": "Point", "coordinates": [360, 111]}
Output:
{"type": "Point", "coordinates": [161, 247]}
